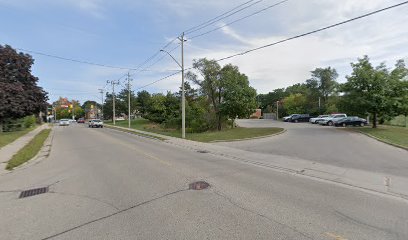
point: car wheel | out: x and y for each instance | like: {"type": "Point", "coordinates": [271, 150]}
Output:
{"type": "Point", "coordinates": [296, 121]}
{"type": "Point", "coordinates": [330, 123]}
{"type": "Point", "coordinates": [101, 126]}
{"type": "Point", "coordinates": [344, 124]}
{"type": "Point", "coordinates": [361, 124]}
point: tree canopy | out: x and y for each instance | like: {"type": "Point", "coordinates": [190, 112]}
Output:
{"type": "Point", "coordinates": [19, 93]}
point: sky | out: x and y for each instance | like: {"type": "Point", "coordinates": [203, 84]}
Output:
{"type": "Point", "coordinates": [126, 33]}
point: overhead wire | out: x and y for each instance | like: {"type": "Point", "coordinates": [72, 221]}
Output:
{"type": "Point", "coordinates": [315, 31]}
{"type": "Point", "coordinates": [217, 19]}
{"type": "Point", "coordinates": [296, 36]}
{"type": "Point", "coordinates": [239, 19]}
{"type": "Point", "coordinates": [74, 60]}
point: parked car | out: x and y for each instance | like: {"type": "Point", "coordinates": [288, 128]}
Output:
{"type": "Point", "coordinates": [95, 123]}
{"type": "Point", "coordinates": [81, 120]}
{"type": "Point", "coordinates": [350, 121]}
{"type": "Point", "coordinates": [299, 118]}
{"type": "Point", "coordinates": [285, 119]}
{"type": "Point", "coordinates": [64, 122]}
{"type": "Point", "coordinates": [318, 119]}
{"type": "Point", "coordinates": [332, 118]}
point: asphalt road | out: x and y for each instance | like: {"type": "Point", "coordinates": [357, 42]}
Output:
{"type": "Point", "coordinates": [106, 184]}
{"type": "Point", "coordinates": [328, 145]}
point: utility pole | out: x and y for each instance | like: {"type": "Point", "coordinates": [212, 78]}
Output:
{"type": "Point", "coordinates": [101, 92]}
{"type": "Point", "coordinates": [113, 98]}
{"type": "Point", "coordinates": [128, 86]}
{"type": "Point", "coordinates": [319, 105]}
{"type": "Point", "coordinates": [277, 110]}
{"type": "Point", "coordinates": [183, 97]}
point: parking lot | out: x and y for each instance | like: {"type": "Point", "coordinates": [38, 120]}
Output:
{"type": "Point", "coordinates": [328, 145]}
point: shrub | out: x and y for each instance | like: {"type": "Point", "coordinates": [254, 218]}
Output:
{"type": "Point", "coordinates": [29, 121]}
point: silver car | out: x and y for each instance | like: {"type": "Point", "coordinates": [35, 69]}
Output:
{"type": "Point", "coordinates": [64, 122]}
{"type": "Point", "coordinates": [95, 123]}
{"type": "Point", "coordinates": [318, 119]}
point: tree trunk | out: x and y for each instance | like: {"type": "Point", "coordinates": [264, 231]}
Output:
{"type": "Point", "coordinates": [219, 127]}
{"type": "Point", "coordinates": [374, 120]}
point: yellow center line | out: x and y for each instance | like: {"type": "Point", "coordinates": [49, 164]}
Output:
{"type": "Point", "coordinates": [335, 236]}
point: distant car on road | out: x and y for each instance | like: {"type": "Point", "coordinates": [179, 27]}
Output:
{"type": "Point", "coordinates": [64, 122]}
{"type": "Point", "coordinates": [95, 123]}
{"type": "Point", "coordinates": [299, 118]}
{"type": "Point", "coordinates": [318, 119]}
{"type": "Point", "coordinates": [332, 118]}
{"type": "Point", "coordinates": [350, 121]}
{"type": "Point", "coordinates": [81, 120]}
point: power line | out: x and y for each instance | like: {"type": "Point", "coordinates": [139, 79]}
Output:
{"type": "Point", "coordinates": [291, 38]}
{"type": "Point", "coordinates": [239, 19]}
{"type": "Point", "coordinates": [73, 60]}
{"type": "Point", "coordinates": [161, 79]}
{"type": "Point", "coordinates": [207, 23]}
{"type": "Point", "coordinates": [314, 31]}
{"type": "Point", "coordinates": [219, 19]}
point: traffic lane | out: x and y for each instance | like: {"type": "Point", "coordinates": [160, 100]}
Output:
{"type": "Point", "coordinates": [311, 211]}
{"type": "Point", "coordinates": [244, 200]}
{"type": "Point", "coordinates": [328, 145]}
{"type": "Point", "coordinates": [90, 177]}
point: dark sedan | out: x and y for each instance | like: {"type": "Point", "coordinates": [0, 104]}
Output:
{"type": "Point", "coordinates": [299, 118]}
{"type": "Point", "coordinates": [350, 121]}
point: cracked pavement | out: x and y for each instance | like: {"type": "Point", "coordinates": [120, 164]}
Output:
{"type": "Point", "coordinates": [106, 184]}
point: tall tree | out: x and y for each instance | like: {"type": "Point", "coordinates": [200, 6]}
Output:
{"type": "Point", "coordinates": [326, 81]}
{"type": "Point", "coordinates": [399, 89]}
{"type": "Point", "coordinates": [367, 89]}
{"type": "Point", "coordinates": [238, 98]}
{"type": "Point", "coordinates": [295, 103]}
{"type": "Point", "coordinates": [227, 90]}
{"type": "Point", "coordinates": [19, 93]}
{"type": "Point", "coordinates": [210, 84]}
{"type": "Point", "coordinates": [143, 98]}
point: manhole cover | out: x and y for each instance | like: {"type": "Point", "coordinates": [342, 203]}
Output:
{"type": "Point", "coordinates": [202, 151]}
{"type": "Point", "coordinates": [32, 192]}
{"type": "Point", "coordinates": [200, 185]}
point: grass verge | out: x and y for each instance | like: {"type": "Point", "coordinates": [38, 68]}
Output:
{"type": "Point", "coordinates": [136, 133]}
{"type": "Point", "coordinates": [225, 135]}
{"type": "Point", "coordinates": [9, 137]}
{"type": "Point", "coordinates": [389, 134]}
{"type": "Point", "coordinates": [28, 151]}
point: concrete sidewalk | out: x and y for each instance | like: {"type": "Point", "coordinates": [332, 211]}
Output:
{"type": "Point", "coordinates": [376, 182]}
{"type": "Point", "coordinates": [7, 152]}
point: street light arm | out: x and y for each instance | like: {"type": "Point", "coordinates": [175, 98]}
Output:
{"type": "Point", "coordinates": [162, 50]}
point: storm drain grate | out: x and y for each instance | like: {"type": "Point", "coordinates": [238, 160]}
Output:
{"type": "Point", "coordinates": [200, 185]}
{"type": "Point", "coordinates": [32, 192]}
{"type": "Point", "coordinates": [202, 151]}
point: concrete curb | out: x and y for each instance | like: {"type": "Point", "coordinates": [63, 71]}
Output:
{"type": "Point", "coordinates": [244, 139]}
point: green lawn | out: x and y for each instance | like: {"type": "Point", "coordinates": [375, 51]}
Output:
{"type": "Point", "coordinates": [225, 135]}
{"type": "Point", "coordinates": [8, 137]}
{"type": "Point", "coordinates": [390, 134]}
{"type": "Point", "coordinates": [29, 150]}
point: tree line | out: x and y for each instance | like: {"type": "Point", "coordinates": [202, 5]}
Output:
{"type": "Point", "coordinates": [375, 91]}
{"type": "Point", "coordinates": [222, 94]}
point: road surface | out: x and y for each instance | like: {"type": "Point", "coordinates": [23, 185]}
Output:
{"type": "Point", "coordinates": [327, 145]}
{"type": "Point", "coordinates": [105, 184]}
